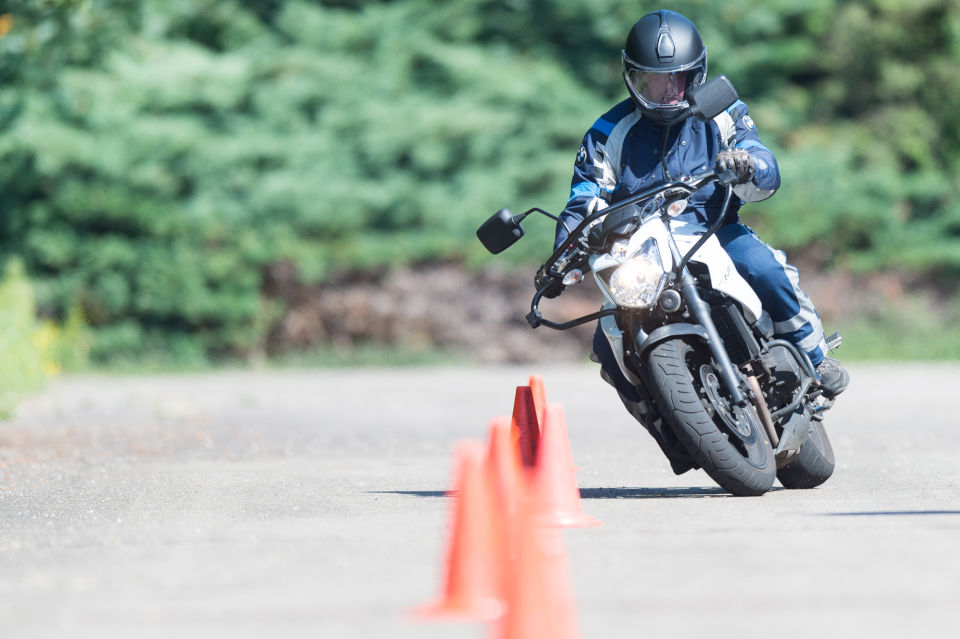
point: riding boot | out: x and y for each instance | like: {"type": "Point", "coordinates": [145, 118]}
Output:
{"type": "Point", "coordinates": [834, 378]}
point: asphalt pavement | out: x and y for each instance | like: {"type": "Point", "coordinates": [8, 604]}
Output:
{"type": "Point", "coordinates": [311, 504]}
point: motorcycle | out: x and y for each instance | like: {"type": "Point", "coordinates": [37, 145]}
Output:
{"type": "Point", "coordinates": [716, 389]}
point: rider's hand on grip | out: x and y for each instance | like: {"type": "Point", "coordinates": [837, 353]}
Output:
{"type": "Point", "coordinates": [736, 164]}
{"type": "Point", "coordinates": [554, 285]}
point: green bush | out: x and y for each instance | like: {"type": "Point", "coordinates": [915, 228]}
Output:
{"type": "Point", "coordinates": [158, 156]}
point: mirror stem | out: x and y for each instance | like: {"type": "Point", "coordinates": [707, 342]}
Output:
{"type": "Point", "coordinates": [519, 218]}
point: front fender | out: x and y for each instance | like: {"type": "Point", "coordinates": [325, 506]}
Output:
{"type": "Point", "coordinates": [671, 331]}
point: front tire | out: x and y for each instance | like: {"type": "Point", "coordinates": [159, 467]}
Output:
{"type": "Point", "coordinates": [727, 441]}
{"type": "Point", "coordinates": [815, 462]}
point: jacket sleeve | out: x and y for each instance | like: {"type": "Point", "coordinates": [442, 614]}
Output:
{"type": "Point", "coordinates": [766, 176]}
{"type": "Point", "coordinates": [594, 179]}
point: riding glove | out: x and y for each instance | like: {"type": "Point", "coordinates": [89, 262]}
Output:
{"type": "Point", "coordinates": [738, 162]}
{"type": "Point", "coordinates": [554, 287]}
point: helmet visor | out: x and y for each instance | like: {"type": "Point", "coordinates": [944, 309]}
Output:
{"type": "Point", "coordinates": [664, 88]}
{"type": "Point", "coordinates": [658, 89]}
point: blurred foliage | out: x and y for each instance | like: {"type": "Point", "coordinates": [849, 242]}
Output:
{"type": "Point", "coordinates": [158, 155]}
{"type": "Point", "coordinates": [32, 350]}
{"type": "Point", "coordinates": [913, 328]}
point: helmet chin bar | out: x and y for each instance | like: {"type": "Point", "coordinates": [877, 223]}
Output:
{"type": "Point", "coordinates": [664, 117]}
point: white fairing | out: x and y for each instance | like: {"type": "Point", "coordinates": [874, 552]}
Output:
{"type": "Point", "coordinates": [614, 335]}
{"type": "Point", "coordinates": [723, 274]}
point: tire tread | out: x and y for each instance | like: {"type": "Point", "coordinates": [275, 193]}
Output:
{"type": "Point", "coordinates": [672, 387]}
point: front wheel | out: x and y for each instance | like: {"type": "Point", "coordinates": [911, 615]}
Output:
{"type": "Point", "coordinates": [728, 441]}
{"type": "Point", "coordinates": [815, 462]}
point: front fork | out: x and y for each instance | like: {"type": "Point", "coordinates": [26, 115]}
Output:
{"type": "Point", "coordinates": [701, 311]}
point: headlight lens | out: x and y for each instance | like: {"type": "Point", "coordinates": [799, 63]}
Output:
{"type": "Point", "coordinates": [637, 282]}
{"type": "Point", "coordinates": [619, 250]}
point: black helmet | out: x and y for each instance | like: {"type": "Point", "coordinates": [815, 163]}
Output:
{"type": "Point", "coordinates": [664, 57]}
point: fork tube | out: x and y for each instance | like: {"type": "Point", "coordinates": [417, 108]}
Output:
{"type": "Point", "coordinates": [701, 311]}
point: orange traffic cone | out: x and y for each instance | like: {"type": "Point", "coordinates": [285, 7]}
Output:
{"type": "Point", "coordinates": [539, 396]}
{"type": "Point", "coordinates": [525, 429]}
{"type": "Point", "coordinates": [504, 466]}
{"type": "Point", "coordinates": [474, 587]}
{"type": "Point", "coordinates": [540, 603]}
{"type": "Point", "coordinates": [553, 485]}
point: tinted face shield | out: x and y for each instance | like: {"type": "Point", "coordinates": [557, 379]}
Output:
{"type": "Point", "coordinates": [658, 89]}
{"type": "Point", "coordinates": [663, 88]}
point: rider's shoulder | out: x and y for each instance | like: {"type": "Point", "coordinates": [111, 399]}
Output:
{"type": "Point", "coordinates": [738, 110]}
{"type": "Point", "coordinates": [607, 122]}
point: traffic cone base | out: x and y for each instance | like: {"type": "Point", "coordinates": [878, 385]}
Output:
{"type": "Point", "coordinates": [474, 579]}
{"type": "Point", "coordinates": [539, 594]}
{"type": "Point", "coordinates": [472, 609]}
{"type": "Point", "coordinates": [553, 508]}
{"type": "Point", "coordinates": [553, 485]}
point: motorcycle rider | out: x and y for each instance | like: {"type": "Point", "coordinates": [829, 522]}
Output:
{"type": "Point", "coordinates": [643, 142]}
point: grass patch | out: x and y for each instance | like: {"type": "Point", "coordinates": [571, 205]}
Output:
{"type": "Point", "coordinates": [362, 356]}
{"type": "Point", "coordinates": [913, 329]}
{"type": "Point", "coordinates": [367, 355]}
{"type": "Point", "coordinates": [32, 350]}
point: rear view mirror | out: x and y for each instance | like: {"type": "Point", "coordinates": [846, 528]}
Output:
{"type": "Point", "coordinates": [500, 231]}
{"type": "Point", "coordinates": [712, 98]}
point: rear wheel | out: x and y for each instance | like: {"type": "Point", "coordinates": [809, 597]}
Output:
{"type": "Point", "coordinates": [815, 462]}
{"type": "Point", "coordinates": [727, 441]}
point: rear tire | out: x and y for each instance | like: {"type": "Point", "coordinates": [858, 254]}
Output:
{"type": "Point", "coordinates": [741, 464]}
{"type": "Point", "coordinates": [815, 463]}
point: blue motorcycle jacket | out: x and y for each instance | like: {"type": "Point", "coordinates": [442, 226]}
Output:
{"type": "Point", "coordinates": [621, 156]}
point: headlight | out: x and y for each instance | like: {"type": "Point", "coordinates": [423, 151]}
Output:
{"type": "Point", "coordinates": [637, 282]}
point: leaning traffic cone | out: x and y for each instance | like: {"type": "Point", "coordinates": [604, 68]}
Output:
{"type": "Point", "coordinates": [540, 603]}
{"type": "Point", "coordinates": [539, 396]}
{"type": "Point", "coordinates": [553, 484]}
{"type": "Point", "coordinates": [474, 587]}
{"type": "Point", "coordinates": [504, 467]}
{"type": "Point", "coordinates": [525, 429]}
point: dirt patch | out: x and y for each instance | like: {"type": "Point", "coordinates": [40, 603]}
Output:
{"type": "Point", "coordinates": [480, 313]}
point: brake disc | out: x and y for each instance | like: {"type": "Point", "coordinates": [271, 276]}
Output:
{"type": "Point", "coordinates": [740, 422]}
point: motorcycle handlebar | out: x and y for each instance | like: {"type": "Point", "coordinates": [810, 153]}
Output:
{"type": "Point", "coordinates": [688, 184]}
{"type": "Point", "coordinates": [691, 184]}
